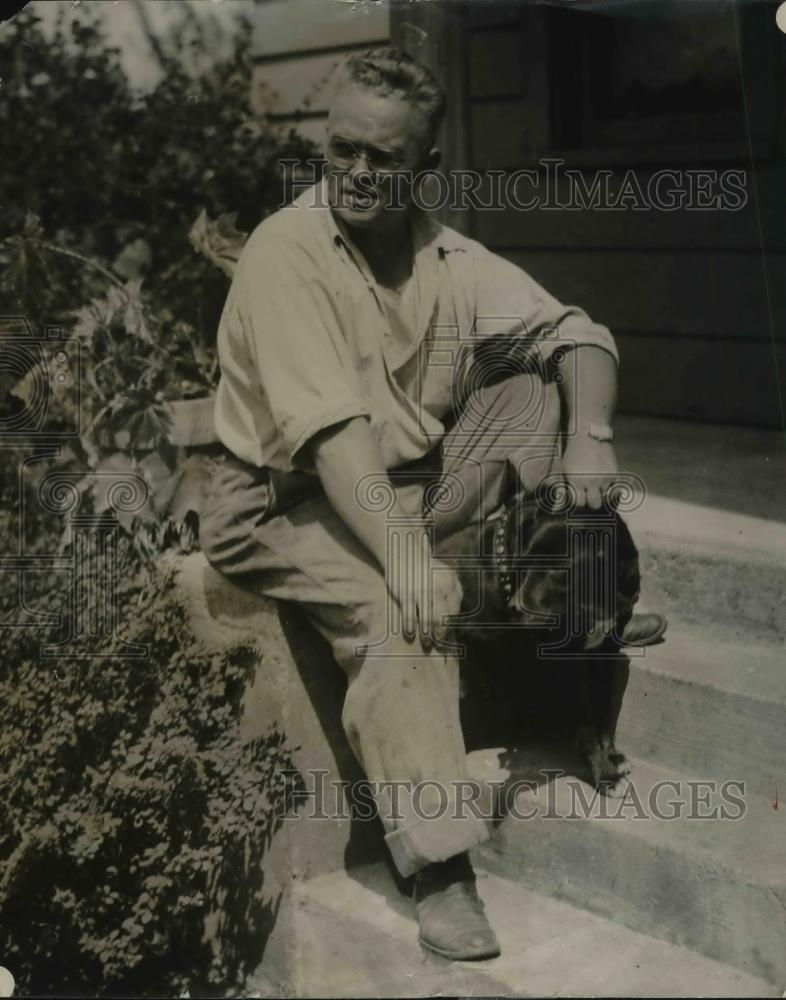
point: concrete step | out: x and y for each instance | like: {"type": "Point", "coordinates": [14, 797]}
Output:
{"type": "Point", "coordinates": [352, 934]}
{"type": "Point", "coordinates": [711, 702]}
{"type": "Point", "coordinates": [711, 566]}
{"type": "Point", "coordinates": [715, 885]}
{"type": "Point", "coordinates": [730, 468]}
{"type": "Point", "coordinates": [295, 687]}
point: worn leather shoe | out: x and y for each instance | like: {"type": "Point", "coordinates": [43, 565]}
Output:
{"type": "Point", "coordinates": [644, 630]}
{"type": "Point", "coordinates": [450, 914]}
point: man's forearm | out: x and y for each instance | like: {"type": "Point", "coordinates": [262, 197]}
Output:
{"type": "Point", "coordinates": [589, 387]}
{"type": "Point", "coordinates": [589, 392]}
{"type": "Point", "coordinates": [343, 455]}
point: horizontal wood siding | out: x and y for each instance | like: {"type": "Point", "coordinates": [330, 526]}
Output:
{"type": "Point", "coordinates": [285, 27]}
{"type": "Point", "coordinates": [299, 83]}
{"type": "Point", "coordinates": [707, 294]}
{"type": "Point", "coordinates": [695, 305]}
{"type": "Point", "coordinates": [298, 44]}
{"type": "Point", "coordinates": [701, 378]}
{"type": "Point", "coordinates": [603, 228]}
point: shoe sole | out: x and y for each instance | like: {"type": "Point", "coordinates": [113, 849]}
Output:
{"type": "Point", "coordinates": [651, 639]}
{"type": "Point", "coordinates": [456, 957]}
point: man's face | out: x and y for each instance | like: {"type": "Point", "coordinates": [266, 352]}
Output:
{"type": "Point", "coordinates": [374, 142]}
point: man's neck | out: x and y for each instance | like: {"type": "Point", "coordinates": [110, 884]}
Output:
{"type": "Point", "coordinates": [388, 252]}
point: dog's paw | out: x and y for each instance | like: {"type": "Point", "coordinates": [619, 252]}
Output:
{"type": "Point", "coordinates": [614, 789]}
{"type": "Point", "coordinates": [609, 770]}
{"type": "Point", "coordinates": [620, 762]}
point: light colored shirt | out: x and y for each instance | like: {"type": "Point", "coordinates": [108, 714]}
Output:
{"type": "Point", "coordinates": [307, 339]}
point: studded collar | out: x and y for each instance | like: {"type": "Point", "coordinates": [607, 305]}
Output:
{"type": "Point", "coordinates": [501, 555]}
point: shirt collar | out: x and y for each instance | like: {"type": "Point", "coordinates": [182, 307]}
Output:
{"type": "Point", "coordinates": [430, 241]}
{"type": "Point", "coordinates": [426, 229]}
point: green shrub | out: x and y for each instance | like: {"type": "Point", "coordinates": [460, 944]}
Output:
{"type": "Point", "coordinates": [133, 816]}
{"type": "Point", "coordinates": [120, 176]}
{"type": "Point", "coordinates": [106, 226]}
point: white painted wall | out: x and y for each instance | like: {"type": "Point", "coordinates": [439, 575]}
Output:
{"type": "Point", "coordinates": [123, 24]}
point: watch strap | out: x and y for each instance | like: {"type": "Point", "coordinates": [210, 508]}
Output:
{"type": "Point", "coordinates": [600, 432]}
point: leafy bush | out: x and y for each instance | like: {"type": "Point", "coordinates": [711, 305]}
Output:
{"type": "Point", "coordinates": [120, 176]}
{"type": "Point", "coordinates": [106, 227]}
{"type": "Point", "coordinates": [133, 816]}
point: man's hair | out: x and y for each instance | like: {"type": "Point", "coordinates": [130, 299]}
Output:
{"type": "Point", "coordinates": [392, 71]}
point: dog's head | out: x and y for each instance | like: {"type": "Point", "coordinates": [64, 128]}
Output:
{"type": "Point", "coordinates": [576, 571]}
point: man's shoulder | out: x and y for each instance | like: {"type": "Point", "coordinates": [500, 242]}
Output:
{"type": "Point", "coordinates": [476, 255]}
{"type": "Point", "coordinates": [299, 226]}
{"type": "Point", "coordinates": [449, 239]}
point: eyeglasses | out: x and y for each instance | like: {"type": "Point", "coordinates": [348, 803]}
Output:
{"type": "Point", "coordinates": [346, 154]}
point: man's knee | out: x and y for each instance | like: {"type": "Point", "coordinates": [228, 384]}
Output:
{"type": "Point", "coordinates": [526, 402]}
{"type": "Point", "coordinates": [532, 407]}
{"type": "Point", "coordinates": [360, 629]}
{"type": "Point", "coordinates": [374, 684]}
{"type": "Point", "coordinates": [389, 683]}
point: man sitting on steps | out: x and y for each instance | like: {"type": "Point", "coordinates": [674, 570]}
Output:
{"type": "Point", "coordinates": [340, 349]}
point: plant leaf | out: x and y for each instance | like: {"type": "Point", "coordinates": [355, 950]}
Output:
{"type": "Point", "coordinates": [134, 316]}
{"type": "Point", "coordinates": [218, 239]}
{"type": "Point", "coordinates": [25, 263]}
{"type": "Point", "coordinates": [147, 427]}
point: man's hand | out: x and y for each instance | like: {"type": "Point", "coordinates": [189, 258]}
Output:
{"type": "Point", "coordinates": [589, 467]}
{"type": "Point", "coordinates": [424, 588]}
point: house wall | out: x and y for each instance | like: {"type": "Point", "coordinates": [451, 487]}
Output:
{"type": "Point", "coordinates": [298, 44]}
{"type": "Point", "coordinates": [696, 299]}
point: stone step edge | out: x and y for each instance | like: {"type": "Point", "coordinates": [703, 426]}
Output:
{"type": "Point", "coordinates": [590, 933]}
{"type": "Point", "coordinates": [762, 868]}
{"type": "Point", "coordinates": [628, 872]}
{"type": "Point", "coordinates": [661, 521]}
{"type": "Point", "coordinates": [681, 646]}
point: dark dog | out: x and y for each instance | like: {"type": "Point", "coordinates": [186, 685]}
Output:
{"type": "Point", "coordinates": [550, 589]}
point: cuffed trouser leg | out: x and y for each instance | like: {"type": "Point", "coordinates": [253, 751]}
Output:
{"type": "Point", "coordinates": [401, 716]}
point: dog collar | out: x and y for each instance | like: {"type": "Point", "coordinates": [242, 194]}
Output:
{"type": "Point", "coordinates": [501, 565]}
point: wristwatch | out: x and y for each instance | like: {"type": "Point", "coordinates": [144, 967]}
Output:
{"type": "Point", "coordinates": [600, 432]}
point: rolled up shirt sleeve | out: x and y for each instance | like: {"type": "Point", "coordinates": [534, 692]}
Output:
{"type": "Point", "coordinates": [509, 301]}
{"type": "Point", "coordinates": [295, 338]}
